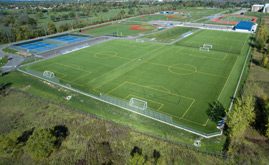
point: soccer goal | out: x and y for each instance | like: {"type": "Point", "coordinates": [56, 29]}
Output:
{"type": "Point", "coordinates": [208, 46]}
{"type": "Point", "coordinates": [137, 103]}
{"type": "Point", "coordinates": [140, 40]}
{"type": "Point", "coordinates": [48, 74]}
{"type": "Point", "coordinates": [205, 49]}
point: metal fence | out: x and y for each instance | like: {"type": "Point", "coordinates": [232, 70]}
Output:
{"type": "Point", "coordinates": [123, 104]}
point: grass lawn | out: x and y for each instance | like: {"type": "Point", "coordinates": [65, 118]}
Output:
{"type": "Point", "coordinates": [187, 14]}
{"type": "Point", "coordinates": [178, 81]}
{"type": "Point", "coordinates": [236, 18]}
{"type": "Point", "coordinates": [120, 29]}
{"type": "Point", "coordinates": [229, 42]}
{"type": "Point", "coordinates": [170, 34]}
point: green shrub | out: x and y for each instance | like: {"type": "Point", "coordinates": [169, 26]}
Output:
{"type": "Point", "coordinates": [41, 143]}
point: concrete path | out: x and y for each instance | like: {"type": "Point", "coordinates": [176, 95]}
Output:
{"type": "Point", "coordinates": [13, 62]}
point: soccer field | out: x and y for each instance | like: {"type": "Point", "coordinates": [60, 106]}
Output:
{"type": "Point", "coordinates": [177, 80]}
{"type": "Point", "coordinates": [170, 35]}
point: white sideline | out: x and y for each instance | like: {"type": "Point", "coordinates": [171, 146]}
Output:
{"type": "Point", "coordinates": [99, 99]}
{"type": "Point", "coordinates": [239, 81]}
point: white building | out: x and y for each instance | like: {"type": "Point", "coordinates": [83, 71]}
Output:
{"type": "Point", "coordinates": [266, 8]}
{"type": "Point", "coordinates": [256, 8]}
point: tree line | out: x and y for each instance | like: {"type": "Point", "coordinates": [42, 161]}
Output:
{"type": "Point", "coordinates": [33, 20]}
{"type": "Point", "coordinates": [262, 42]}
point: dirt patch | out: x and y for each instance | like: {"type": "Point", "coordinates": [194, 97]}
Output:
{"type": "Point", "coordinates": [171, 16]}
{"type": "Point", "coordinates": [222, 20]}
{"type": "Point", "coordinates": [137, 27]}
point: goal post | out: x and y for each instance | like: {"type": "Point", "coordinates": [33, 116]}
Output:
{"type": "Point", "coordinates": [205, 49]}
{"type": "Point", "coordinates": [210, 46]}
{"type": "Point", "coordinates": [138, 103]}
{"type": "Point", "coordinates": [140, 40]}
{"type": "Point", "coordinates": [48, 74]}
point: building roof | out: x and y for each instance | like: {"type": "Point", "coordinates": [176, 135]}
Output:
{"type": "Point", "coordinates": [244, 25]}
{"type": "Point", "coordinates": [258, 5]}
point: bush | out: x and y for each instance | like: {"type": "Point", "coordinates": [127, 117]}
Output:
{"type": "Point", "coordinates": [216, 111]}
{"type": "Point", "coordinates": [3, 61]}
{"type": "Point", "coordinates": [41, 143]}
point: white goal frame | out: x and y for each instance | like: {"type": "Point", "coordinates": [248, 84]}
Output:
{"type": "Point", "coordinates": [134, 100]}
{"type": "Point", "coordinates": [140, 40]}
{"type": "Point", "coordinates": [210, 46]}
{"type": "Point", "coordinates": [48, 74]}
{"type": "Point", "coordinates": [205, 49]}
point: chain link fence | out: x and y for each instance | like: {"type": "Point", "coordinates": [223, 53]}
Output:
{"type": "Point", "coordinates": [123, 104]}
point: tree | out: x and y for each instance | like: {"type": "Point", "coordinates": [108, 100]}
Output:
{"type": "Point", "coordinates": [240, 117]}
{"type": "Point", "coordinates": [122, 13]}
{"type": "Point", "coordinates": [216, 111]}
{"type": "Point", "coordinates": [131, 11]}
{"type": "Point", "coordinates": [51, 28]}
{"type": "Point", "coordinates": [64, 27]}
{"type": "Point", "coordinates": [265, 60]}
{"type": "Point", "coordinates": [41, 143]}
{"type": "Point", "coordinates": [262, 36]}
{"type": "Point", "coordinates": [267, 110]}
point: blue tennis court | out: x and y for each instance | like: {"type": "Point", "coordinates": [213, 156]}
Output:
{"type": "Point", "coordinates": [38, 46]}
{"type": "Point", "coordinates": [70, 38]}
{"type": "Point", "coordinates": [47, 44]}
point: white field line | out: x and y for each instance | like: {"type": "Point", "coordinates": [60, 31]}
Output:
{"type": "Point", "coordinates": [99, 99]}
{"type": "Point", "coordinates": [239, 81]}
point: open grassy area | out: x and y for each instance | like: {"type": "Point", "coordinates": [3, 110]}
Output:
{"type": "Point", "coordinates": [120, 29]}
{"type": "Point", "coordinates": [186, 14]}
{"type": "Point", "coordinates": [185, 79]}
{"type": "Point", "coordinates": [90, 139]}
{"type": "Point", "coordinates": [170, 34]}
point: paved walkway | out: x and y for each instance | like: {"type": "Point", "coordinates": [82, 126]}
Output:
{"type": "Point", "coordinates": [13, 62]}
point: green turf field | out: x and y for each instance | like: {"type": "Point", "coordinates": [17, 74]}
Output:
{"type": "Point", "coordinates": [177, 80]}
{"type": "Point", "coordinates": [170, 34]}
{"type": "Point", "coordinates": [120, 29]}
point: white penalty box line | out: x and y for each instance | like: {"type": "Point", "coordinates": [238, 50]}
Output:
{"type": "Point", "coordinates": [211, 135]}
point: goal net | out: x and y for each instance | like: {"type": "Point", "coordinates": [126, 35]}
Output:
{"type": "Point", "coordinates": [140, 40]}
{"type": "Point", "coordinates": [137, 103]}
{"type": "Point", "coordinates": [208, 46]}
{"type": "Point", "coordinates": [48, 74]}
{"type": "Point", "coordinates": [205, 49]}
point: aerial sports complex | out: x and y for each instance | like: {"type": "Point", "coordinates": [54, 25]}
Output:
{"type": "Point", "coordinates": [170, 75]}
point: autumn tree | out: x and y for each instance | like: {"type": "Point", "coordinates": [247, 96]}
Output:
{"type": "Point", "coordinates": [262, 36]}
{"type": "Point", "coordinates": [240, 117]}
{"type": "Point", "coordinates": [51, 28]}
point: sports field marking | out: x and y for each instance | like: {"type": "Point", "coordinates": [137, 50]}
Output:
{"type": "Point", "coordinates": [206, 123]}
{"type": "Point", "coordinates": [227, 79]}
{"type": "Point", "coordinates": [159, 86]}
{"type": "Point", "coordinates": [83, 75]}
{"type": "Point", "coordinates": [70, 66]}
{"type": "Point", "coordinates": [123, 65]}
{"type": "Point", "coordinates": [211, 74]}
{"type": "Point", "coordinates": [105, 54]}
{"type": "Point", "coordinates": [162, 91]}
{"type": "Point", "coordinates": [190, 71]}
{"type": "Point", "coordinates": [197, 123]}
{"type": "Point", "coordinates": [61, 75]}
{"type": "Point", "coordinates": [170, 93]}
{"type": "Point", "coordinates": [187, 110]}
{"type": "Point", "coordinates": [196, 70]}
{"type": "Point", "coordinates": [129, 96]}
